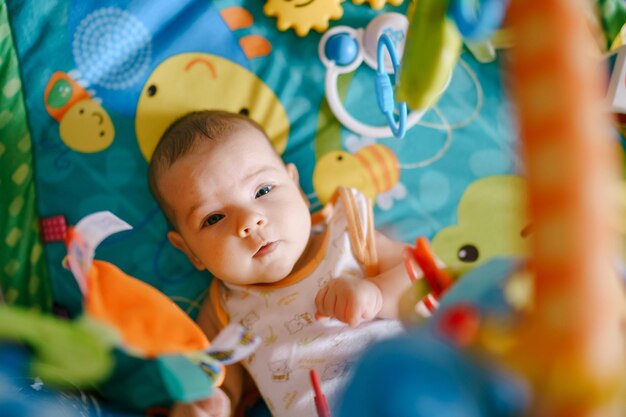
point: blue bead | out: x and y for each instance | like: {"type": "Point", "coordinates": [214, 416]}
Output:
{"type": "Point", "coordinates": [341, 49]}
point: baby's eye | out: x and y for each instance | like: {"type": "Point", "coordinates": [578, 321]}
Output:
{"type": "Point", "coordinates": [263, 190]}
{"type": "Point", "coordinates": [213, 218]}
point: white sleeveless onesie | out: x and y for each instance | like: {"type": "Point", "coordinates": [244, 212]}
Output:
{"type": "Point", "coordinates": [283, 314]}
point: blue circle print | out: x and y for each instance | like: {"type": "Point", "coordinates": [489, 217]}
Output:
{"type": "Point", "coordinates": [112, 48]}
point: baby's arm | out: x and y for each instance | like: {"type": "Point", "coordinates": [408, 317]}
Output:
{"type": "Point", "coordinates": [392, 279]}
{"type": "Point", "coordinates": [225, 399]}
{"type": "Point", "coordinates": [354, 301]}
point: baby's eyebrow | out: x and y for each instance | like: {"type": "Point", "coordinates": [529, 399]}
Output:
{"type": "Point", "coordinates": [192, 210]}
{"type": "Point", "coordinates": [259, 171]}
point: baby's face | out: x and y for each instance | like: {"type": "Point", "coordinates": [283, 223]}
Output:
{"type": "Point", "coordinates": [239, 210]}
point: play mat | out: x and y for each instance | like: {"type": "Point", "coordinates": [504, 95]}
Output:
{"type": "Point", "coordinates": [88, 86]}
{"type": "Point", "coordinates": [468, 136]}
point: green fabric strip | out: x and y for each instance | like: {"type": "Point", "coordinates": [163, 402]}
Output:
{"type": "Point", "coordinates": [23, 271]}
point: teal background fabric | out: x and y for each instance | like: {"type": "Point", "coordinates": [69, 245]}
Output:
{"type": "Point", "coordinates": [469, 135]}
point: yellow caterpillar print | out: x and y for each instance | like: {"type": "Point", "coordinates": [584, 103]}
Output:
{"type": "Point", "coordinates": [372, 170]}
{"type": "Point", "coordinates": [84, 125]}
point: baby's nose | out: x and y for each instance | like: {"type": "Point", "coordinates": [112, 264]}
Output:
{"type": "Point", "coordinates": [251, 223]}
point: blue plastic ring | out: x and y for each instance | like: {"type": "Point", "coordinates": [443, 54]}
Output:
{"type": "Point", "coordinates": [384, 90]}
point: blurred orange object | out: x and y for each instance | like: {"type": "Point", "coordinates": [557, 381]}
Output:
{"type": "Point", "coordinates": [572, 345]}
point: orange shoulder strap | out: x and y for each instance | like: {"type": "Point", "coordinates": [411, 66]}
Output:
{"type": "Point", "coordinates": [360, 229]}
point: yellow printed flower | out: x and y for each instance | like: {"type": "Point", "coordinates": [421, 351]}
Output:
{"type": "Point", "coordinates": [378, 4]}
{"type": "Point", "coordinates": [304, 15]}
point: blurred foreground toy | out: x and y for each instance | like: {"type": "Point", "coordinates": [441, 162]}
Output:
{"type": "Point", "coordinates": [486, 51]}
{"type": "Point", "coordinates": [554, 324]}
{"type": "Point", "coordinates": [432, 48]}
{"type": "Point", "coordinates": [23, 395]}
{"type": "Point", "coordinates": [438, 369]}
{"type": "Point", "coordinates": [434, 43]}
{"type": "Point", "coordinates": [430, 281]}
{"type": "Point", "coordinates": [579, 368]}
{"type": "Point", "coordinates": [151, 330]}
{"type": "Point", "coordinates": [64, 353]}
{"type": "Point", "coordinates": [552, 328]}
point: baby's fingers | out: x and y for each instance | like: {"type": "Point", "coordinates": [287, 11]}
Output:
{"type": "Point", "coordinates": [353, 312]}
{"type": "Point", "coordinates": [320, 303]}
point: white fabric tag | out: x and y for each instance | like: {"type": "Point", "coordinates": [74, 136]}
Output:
{"type": "Point", "coordinates": [88, 233]}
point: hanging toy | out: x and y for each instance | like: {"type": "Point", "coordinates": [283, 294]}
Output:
{"type": "Point", "coordinates": [477, 23]}
{"type": "Point", "coordinates": [384, 88]}
{"type": "Point", "coordinates": [433, 48]}
{"type": "Point", "coordinates": [434, 43]}
{"type": "Point", "coordinates": [485, 51]}
{"type": "Point", "coordinates": [430, 281]}
{"type": "Point", "coordinates": [303, 15]}
{"type": "Point", "coordinates": [343, 49]}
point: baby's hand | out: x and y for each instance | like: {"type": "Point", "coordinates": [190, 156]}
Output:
{"type": "Point", "coordinates": [217, 405]}
{"type": "Point", "coordinates": [350, 301]}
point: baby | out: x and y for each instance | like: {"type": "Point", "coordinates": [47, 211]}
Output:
{"type": "Point", "coordinates": [312, 287]}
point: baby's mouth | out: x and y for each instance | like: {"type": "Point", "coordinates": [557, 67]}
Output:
{"type": "Point", "coordinates": [265, 249]}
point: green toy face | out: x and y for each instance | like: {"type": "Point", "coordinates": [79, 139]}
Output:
{"type": "Point", "coordinates": [491, 223]}
{"type": "Point", "coordinates": [60, 94]}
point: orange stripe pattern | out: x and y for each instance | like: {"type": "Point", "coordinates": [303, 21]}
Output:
{"type": "Point", "coordinates": [382, 166]}
{"type": "Point", "coordinates": [571, 346]}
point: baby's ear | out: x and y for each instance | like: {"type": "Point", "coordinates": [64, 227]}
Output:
{"type": "Point", "coordinates": [293, 174]}
{"type": "Point", "coordinates": [179, 243]}
{"type": "Point", "coordinates": [292, 170]}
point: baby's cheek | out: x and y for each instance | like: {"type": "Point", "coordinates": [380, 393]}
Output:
{"type": "Point", "coordinates": [223, 258]}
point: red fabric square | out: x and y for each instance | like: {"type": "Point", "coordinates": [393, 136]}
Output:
{"type": "Point", "coordinates": [53, 229]}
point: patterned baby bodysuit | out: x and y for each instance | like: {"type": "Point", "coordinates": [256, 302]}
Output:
{"type": "Point", "coordinates": [283, 314]}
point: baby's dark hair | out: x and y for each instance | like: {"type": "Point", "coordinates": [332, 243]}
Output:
{"type": "Point", "coordinates": [182, 136]}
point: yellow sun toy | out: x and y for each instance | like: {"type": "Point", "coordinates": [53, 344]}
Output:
{"type": "Point", "coordinates": [378, 4]}
{"type": "Point", "coordinates": [304, 15]}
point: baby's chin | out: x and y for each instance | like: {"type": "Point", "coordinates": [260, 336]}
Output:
{"type": "Point", "coordinates": [260, 276]}
{"type": "Point", "coordinates": [275, 276]}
